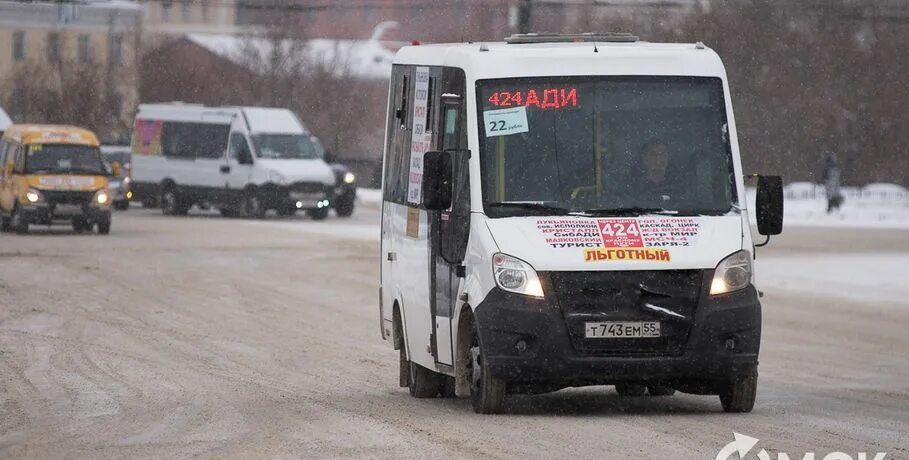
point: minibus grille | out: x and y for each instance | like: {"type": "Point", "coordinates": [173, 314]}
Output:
{"type": "Point", "coordinates": [67, 197]}
{"type": "Point", "coordinates": [623, 296]}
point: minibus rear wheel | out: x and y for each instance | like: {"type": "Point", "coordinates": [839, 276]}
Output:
{"type": "Point", "coordinates": [738, 396]}
{"type": "Point", "coordinates": [5, 225]}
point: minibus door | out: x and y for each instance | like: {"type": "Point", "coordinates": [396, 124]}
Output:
{"type": "Point", "coordinates": [449, 231]}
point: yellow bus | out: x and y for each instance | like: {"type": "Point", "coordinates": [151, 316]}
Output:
{"type": "Point", "coordinates": [53, 174]}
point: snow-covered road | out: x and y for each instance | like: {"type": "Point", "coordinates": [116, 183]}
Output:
{"type": "Point", "coordinates": [204, 336]}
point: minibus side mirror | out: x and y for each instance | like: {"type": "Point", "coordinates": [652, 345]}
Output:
{"type": "Point", "coordinates": [116, 169]}
{"type": "Point", "coordinates": [437, 184]}
{"type": "Point", "coordinates": [769, 203]}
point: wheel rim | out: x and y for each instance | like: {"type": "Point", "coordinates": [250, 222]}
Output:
{"type": "Point", "coordinates": [168, 201]}
{"type": "Point", "coordinates": [476, 368]}
{"type": "Point", "coordinates": [252, 205]}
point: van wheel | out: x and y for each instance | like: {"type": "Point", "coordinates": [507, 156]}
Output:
{"type": "Point", "coordinates": [18, 224]}
{"type": "Point", "coordinates": [318, 213]}
{"type": "Point", "coordinates": [738, 396]}
{"type": "Point", "coordinates": [486, 392]}
{"type": "Point", "coordinates": [122, 205]}
{"type": "Point", "coordinates": [228, 212]}
{"type": "Point", "coordinates": [172, 204]}
{"type": "Point", "coordinates": [5, 225]}
{"type": "Point", "coordinates": [252, 206]}
{"type": "Point", "coordinates": [631, 389]}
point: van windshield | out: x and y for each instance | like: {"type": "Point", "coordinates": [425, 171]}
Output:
{"type": "Point", "coordinates": [604, 146]}
{"type": "Point", "coordinates": [64, 159]}
{"type": "Point", "coordinates": [285, 147]}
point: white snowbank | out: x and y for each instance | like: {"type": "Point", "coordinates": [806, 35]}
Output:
{"type": "Point", "coordinates": [875, 205]}
{"type": "Point", "coordinates": [860, 276]}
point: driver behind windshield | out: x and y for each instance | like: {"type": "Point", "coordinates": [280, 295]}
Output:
{"type": "Point", "coordinates": [655, 184]}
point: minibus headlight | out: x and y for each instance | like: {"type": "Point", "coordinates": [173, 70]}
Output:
{"type": "Point", "coordinates": [515, 275]}
{"type": "Point", "coordinates": [349, 178]}
{"type": "Point", "coordinates": [34, 196]}
{"type": "Point", "coordinates": [101, 197]}
{"type": "Point", "coordinates": [732, 273]}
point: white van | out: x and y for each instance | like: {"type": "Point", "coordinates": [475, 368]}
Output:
{"type": "Point", "coordinates": [241, 160]}
{"type": "Point", "coordinates": [564, 211]}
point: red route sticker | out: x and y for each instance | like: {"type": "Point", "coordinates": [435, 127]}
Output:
{"type": "Point", "coordinates": [620, 233]}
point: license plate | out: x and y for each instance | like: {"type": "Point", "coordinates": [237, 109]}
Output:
{"type": "Point", "coordinates": [67, 209]}
{"type": "Point", "coordinates": [622, 330]}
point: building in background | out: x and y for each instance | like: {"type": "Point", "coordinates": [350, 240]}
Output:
{"type": "Point", "coordinates": [50, 51]}
{"type": "Point", "coordinates": [166, 19]}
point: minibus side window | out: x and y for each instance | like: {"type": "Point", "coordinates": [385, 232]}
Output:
{"type": "Point", "coordinates": [397, 161]}
{"type": "Point", "coordinates": [450, 126]}
{"type": "Point", "coordinates": [19, 155]}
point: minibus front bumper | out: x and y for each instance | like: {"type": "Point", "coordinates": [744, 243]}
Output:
{"type": "Point", "coordinates": [529, 340]}
{"type": "Point", "coordinates": [298, 195]}
{"type": "Point", "coordinates": [47, 214]}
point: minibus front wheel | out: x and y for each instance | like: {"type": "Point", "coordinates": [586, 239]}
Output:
{"type": "Point", "coordinates": [17, 222]}
{"type": "Point", "coordinates": [486, 392]}
{"type": "Point", "coordinates": [739, 394]}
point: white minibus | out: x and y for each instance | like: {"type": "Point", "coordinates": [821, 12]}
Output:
{"type": "Point", "coordinates": [569, 210]}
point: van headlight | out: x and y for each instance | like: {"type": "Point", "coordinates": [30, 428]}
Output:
{"type": "Point", "coordinates": [349, 178]}
{"type": "Point", "coordinates": [515, 275]}
{"type": "Point", "coordinates": [34, 196]}
{"type": "Point", "coordinates": [101, 197]}
{"type": "Point", "coordinates": [732, 273]}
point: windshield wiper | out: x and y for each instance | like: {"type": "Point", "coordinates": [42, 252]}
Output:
{"type": "Point", "coordinates": [628, 211]}
{"type": "Point", "coordinates": [540, 206]}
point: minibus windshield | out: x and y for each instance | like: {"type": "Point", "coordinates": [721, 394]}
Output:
{"type": "Point", "coordinates": [285, 147]}
{"type": "Point", "coordinates": [605, 146]}
{"type": "Point", "coordinates": [64, 159]}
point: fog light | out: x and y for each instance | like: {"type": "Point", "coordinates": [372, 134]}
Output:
{"type": "Point", "coordinates": [299, 204]}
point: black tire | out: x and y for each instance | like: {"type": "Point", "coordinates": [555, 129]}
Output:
{"type": "Point", "coordinates": [172, 204]}
{"type": "Point", "coordinates": [318, 213]}
{"type": "Point", "coordinates": [447, 386]}
{"type": "Point", "coordinates": [660, 390]}
{"type": "Point", "coordinates": [104, 227]}
{"type": "Point", "coordinates": [150, 203]}
{"type": "Point", "coordinates": [487, 393]}
{"type": "Point", "coordinates": [252, 205]}
{"type": "Point", "coordinates": [344, 207]}
{"type": "Point", "coordinates": [17, 223]}
{"type": "Point", "coordinates": [631, 389]}
{"type": "Point", "coordinates": [5, 224]}
{"type": "Point", "coordinates": [423, 383]}
{"type": "Point", "coordinates": [121, 205]}
{"type": "Point", "coordinates": [739, 394]}
{"type": "Point", "coordinates": [228, 212]}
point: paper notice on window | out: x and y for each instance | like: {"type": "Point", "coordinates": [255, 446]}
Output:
{"type": "Point", "coordinates": [503, 122]}
{"type": "Point", "coordinates": [421, 135]}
